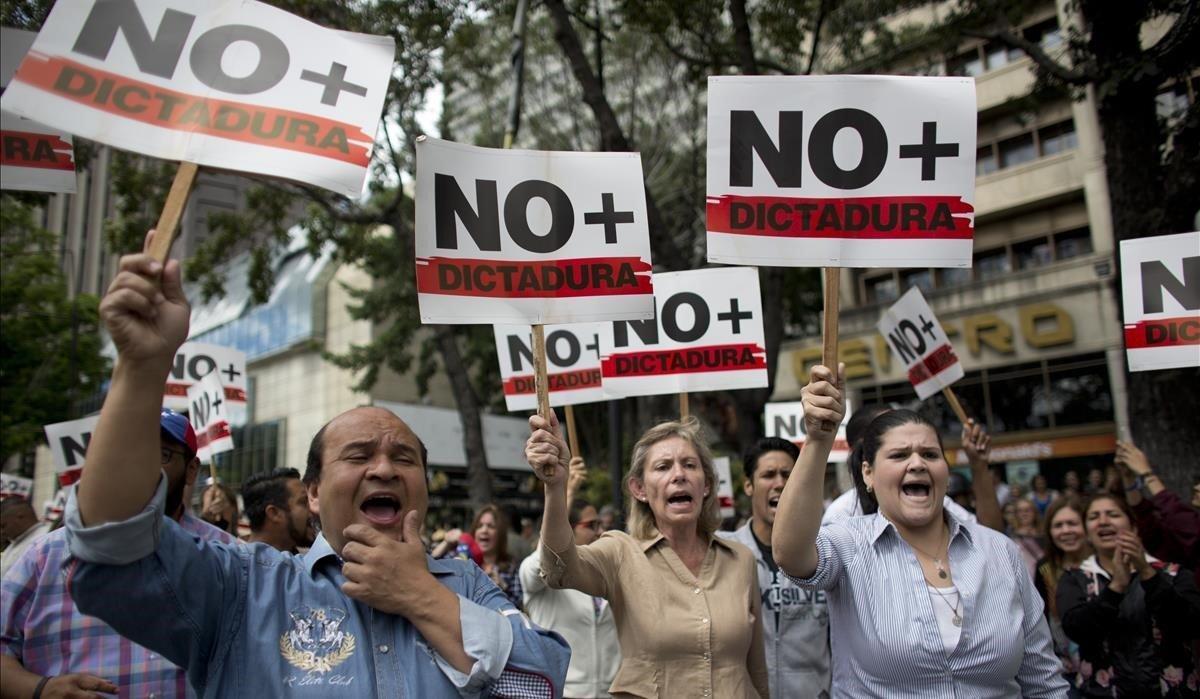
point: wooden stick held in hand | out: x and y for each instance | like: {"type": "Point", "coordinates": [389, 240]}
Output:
{"type": "Point", "coordinates": [172, 212]}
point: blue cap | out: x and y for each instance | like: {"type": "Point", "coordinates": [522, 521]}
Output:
{"type": "Point", "coordinates": [179, 429]}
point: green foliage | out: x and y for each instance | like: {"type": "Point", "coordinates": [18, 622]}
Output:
{"type": "Point", "coordinates": [50, 347]}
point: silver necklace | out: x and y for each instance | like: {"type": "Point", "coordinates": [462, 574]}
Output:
{"type": "Point", "coordinates": [937, 561]}
{"type": "Point", "coordinates": [954, 609]}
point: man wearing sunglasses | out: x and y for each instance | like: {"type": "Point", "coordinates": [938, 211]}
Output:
{"type": "Point", "coordinates": [49, 648]}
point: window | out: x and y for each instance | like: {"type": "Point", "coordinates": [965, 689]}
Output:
{"type": "Point", "coordinates": [1019, 398]}
{"type": "Point", "coordinates": [1000, 55]}
{"type": "Point", "coordinates": [921, 278]}
{"type": "Point", "coordinates": [953, 276]}
{"type": "Point", "coordinates": [985, 160]}
{"type": "Point", "coordinates": [1079, 391]}
{"type": "Point", "coordinates": [1058, 138]}
{"type": "Point", "coordinates": [968, 64]}
{"type": "Point", "coordinates": [1046, 33]}
{"type": "Point", "coordinates": [1073, 243]}
{"type": "Point", "coordinates": [257, 452]}
{"type": "Point", "coordinates": [991, 264]}
{"type": "Point", "coordinates": [1017, 150]}
{"type": "Point", "coordinates": [882, 289]}
{"type": "Point", "coordinates": [1032, 253]}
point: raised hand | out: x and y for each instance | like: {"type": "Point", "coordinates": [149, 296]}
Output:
{"type": "Point", "coordinates": [576, 476]}
{"type": "Point", "coordinates": [547, 451]}
{"type": "Point", "coordinates": [976, 441]}
{"type": "Point", "coordinates": [144, 308]}
{"type": "Point", "coordinates": [1132, 458]}
{"type": "Point", "coordinates": [824, 403]}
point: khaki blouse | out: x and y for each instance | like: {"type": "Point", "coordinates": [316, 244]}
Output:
{"type": "Point", "coordinates": [680, 636]}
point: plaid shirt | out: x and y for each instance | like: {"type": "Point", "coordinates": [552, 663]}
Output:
{"type": "Point", "coordinates": [42, 629]}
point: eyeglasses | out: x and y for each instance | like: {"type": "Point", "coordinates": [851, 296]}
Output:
{"type": "Point", "coordinates": [589, 523]}
{"type": "Point", "coordinates": [167, 453]}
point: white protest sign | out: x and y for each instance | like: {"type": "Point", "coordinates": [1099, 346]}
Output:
{"type": "Point", "coordinates": [33, 157]}
{"type": "Point", "coordinates": [194, 361]}
{"type": "Point", "coordinates": [207, 411]}
{"type": "Point", "coordinates": [917, 340]}
{"type": "Point", "coordinates": [572, 364]}
{"type": "Point", "coordinates": [1160, 287]}
{"type": "Point", "coordinates": [14, 486]}
{"type": "Point", "coordinates": [724, 486]}
{"type": "Point", "coordinates": [53, 508]}
{"type": "Point", "coordinates": [786, 421]}
{"type": "Point", "coordinates": [233, 84]}
{"type": "Point", "coordinates": [68, 443]}
{"type": "Point", "coordinates": [512, 236]}
{"type": "Point", "coordinates": [707, 336]}
{"type": "Point", "coordinates": [841, 171]}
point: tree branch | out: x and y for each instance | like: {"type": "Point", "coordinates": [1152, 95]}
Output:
{"type": "Point", "coordinates": [822, 11]}
{"type": "Point", "coordinates": [611, 135]}
{"type": "Point", "coordinates": [1176, 50]}
{"type": "Point", "coordinates": [1005, 35]}
{"type": "Point", "coordinates": [742, 40]}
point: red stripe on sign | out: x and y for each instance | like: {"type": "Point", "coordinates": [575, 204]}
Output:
{"type": "Point", "coordinates": [180, 111]}
{"type": "Point", "coordinates": [892, 218]}
{"type": "Point", "coordinates": [70, 476]}
{"type": "Point", "coordinates": [561, 381]}
{"type": "Point", "coordinates": [589, 276]}
{"type": "Point", "coordinates": [941, 359]}
{"type": "Point", "coordinates": [684, 360]}
{"type": "Point", "coordinates": [27, 149]}
{"type": "Point", "coordinates": [215, 431]}
{"type": "Point", "coordinates": [181, 389]}
{"type": "Point", "coordinates": [1163, 332]}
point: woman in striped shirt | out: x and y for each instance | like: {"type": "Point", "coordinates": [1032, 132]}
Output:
{"type": "Point", "coordinates": [921, 604]}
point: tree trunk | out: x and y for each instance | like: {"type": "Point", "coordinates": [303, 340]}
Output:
{"type": "Point", "coordinates": [1163, 405]}
{"type": "Point", "coordinates": [612, 136]}
{"type": "Point", "coordinates": [479, 477]}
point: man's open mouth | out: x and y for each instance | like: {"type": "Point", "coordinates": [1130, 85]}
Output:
{"type": "Point", "coordinates": [381, 508]}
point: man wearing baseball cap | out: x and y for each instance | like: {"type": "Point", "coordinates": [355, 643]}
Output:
{"type": "Point", "coordinates": [49, 648]}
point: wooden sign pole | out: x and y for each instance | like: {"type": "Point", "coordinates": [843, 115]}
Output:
{"type": "Point", "coordinates": [829, 336]}
{"type": "Point", "coordinates": [212, 471]}
{"type": "Point", "coordinates": [540, 381]}
{"type": "Point", "coordinates": [172, 212]}
{"type": "Point", "coordinates": [952, 399]}
{"type": "Point", "coordinates": [683, 405]}
{"type": "Point", "coordinates": [572, 435]}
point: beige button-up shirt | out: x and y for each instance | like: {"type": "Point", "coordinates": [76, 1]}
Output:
{"type": "Point", "coordinates": [680, 635]}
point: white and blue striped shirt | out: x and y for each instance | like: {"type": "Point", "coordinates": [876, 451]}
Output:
{"type": "Point", "coordinates": [885, 638]}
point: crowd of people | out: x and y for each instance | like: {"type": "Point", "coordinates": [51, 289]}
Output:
{"type": "Point", "coordinates": [916, 582]}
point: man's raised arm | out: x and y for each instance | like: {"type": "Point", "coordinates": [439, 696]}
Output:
{"type": "Point", "coordinates": [147, 316]}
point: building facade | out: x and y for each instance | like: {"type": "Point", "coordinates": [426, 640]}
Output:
{"type": "Point", "coordinates": [1035, 319]}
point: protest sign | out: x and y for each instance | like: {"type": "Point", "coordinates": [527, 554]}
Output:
{"type": "Point", "coordinates": [841, 171]}
{"type": "Point", "coordinates": [68, 443]}
{"type": "Point", "coordinates": [512, 236]}
{"type": "Point", "coordinates": [14, 486]}
{"type": "Point", "coordinates": [573, 362]}
{"type": "Point", "coordinates": [1160, 287]}
{"type": "Point", "coordinates": [52, 509]}
{"type": "Point", "coordinates": [918, 341]}
{"type": "Point", "coordinates": [707, 336]}
{"type": "Point", "coordinates": [33, 157]}
{"type": "Point", "coordinates": [724, 486]}
{"type": "Point", "coordinates": [194, 361]}
{"type": "Point", "coordinates": [207, 411]}
{"type": "Point", "coordinates": [232, 84]}
{"type": "Point", "coordinates": [786, 421]}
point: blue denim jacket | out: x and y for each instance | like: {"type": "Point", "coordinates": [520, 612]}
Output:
{"type": "Point", "coordinates": [251, 621]}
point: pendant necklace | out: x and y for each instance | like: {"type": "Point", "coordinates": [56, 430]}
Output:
{"type": "Point", "coordinates": [954, 609]}
{"type": "Point", "coordinates": [937, 560]}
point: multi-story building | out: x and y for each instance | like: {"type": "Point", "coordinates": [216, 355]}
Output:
{"type": "Point", "coordinates": [1034, 320]}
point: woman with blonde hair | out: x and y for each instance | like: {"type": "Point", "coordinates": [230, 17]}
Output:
{"type": "Point", "coordinates": [686, 602]}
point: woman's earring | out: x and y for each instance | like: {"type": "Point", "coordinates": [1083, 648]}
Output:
{"type": "Point", "coordinates": [870, 489]}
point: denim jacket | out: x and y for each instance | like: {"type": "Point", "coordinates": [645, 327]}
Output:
{"type": "Point", "coordinates": [251, 621]}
